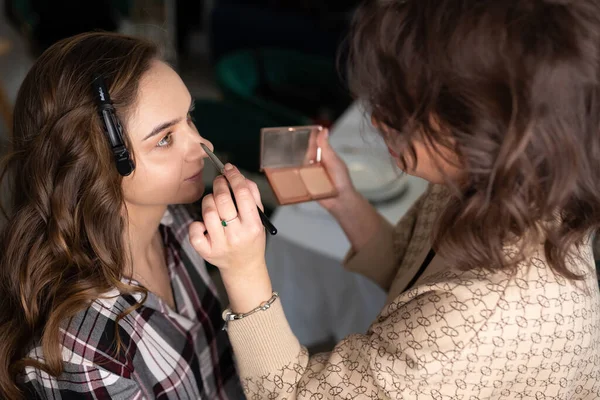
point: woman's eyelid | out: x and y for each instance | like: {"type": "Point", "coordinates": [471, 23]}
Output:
{"type": "Point", "coordinates": [168, 135]}
{"type": "Point", "coordinates": [165, 137]}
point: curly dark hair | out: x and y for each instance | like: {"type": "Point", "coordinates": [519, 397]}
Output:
{"type": "Point", "coordinates": [513, 88]}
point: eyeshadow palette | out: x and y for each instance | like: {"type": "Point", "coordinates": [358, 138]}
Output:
{"type": "Point", "coordinates": [290, 158]}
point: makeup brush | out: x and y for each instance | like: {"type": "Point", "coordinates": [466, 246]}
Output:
{"type": "Point", "coordinates": [221, 168]}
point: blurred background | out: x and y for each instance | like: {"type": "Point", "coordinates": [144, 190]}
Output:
{"type": "Point", "coordinates": [248, 63]}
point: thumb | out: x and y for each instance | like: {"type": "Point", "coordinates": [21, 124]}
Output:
{"type": "Point", "coordinates": [199, 240]}
{"type": "Point", "coordinates": [328, 155]}
{"type": "Point", "coordinates": [323, 140]}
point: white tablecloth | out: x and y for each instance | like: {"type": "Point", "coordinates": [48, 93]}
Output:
{"type": "Point", "coordinates": [321, 299]}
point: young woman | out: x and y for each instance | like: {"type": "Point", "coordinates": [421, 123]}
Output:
{"type": "Point", "coordinates": [491, 279]}
{"type": "Point", "coordinates": [102, 295]}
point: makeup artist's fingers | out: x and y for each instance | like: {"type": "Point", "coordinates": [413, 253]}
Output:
{"type": "Point", "coordinates": [239, 248]}
{"type": "Point", "coordinates": [311, 150]}
{"type": "Point", "coordinates": [200, 242]}
{"type": "Point", "coordinates": [322, 139]}
{"type": "Point", "coordinates": [328, 154]}
{"type": "Point", "coordinates": [212, 221]}
{"type": "Point", "coordinates": [255, 193]}
{"type": "Point", "coordinates": [335, 166]}
{"type": "Point", "coordinates": [243, 196]}
{"type": "Point", "coordinates": [223, 199]}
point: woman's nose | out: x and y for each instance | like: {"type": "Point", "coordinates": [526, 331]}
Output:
{"type": "Point", "coordinates": [195, 139]}
{"type": "Point", "coordinates": [195, 149]}
{"type": "Point", "coordinates": [208, 144]}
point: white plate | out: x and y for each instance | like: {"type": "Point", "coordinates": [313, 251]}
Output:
{"type": "Point", "coordinates": [372, 171]}
{"type": "Point", "coordinates": [393, 190]}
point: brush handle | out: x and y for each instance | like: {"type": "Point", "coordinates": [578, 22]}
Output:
{"type": "Point", "coordinates": [263, 218]}
{"type": "Point", "coordinates": [266, 223]}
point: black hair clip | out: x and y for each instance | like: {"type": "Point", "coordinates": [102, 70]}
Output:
{"type": "Point", "coordinates": [112, 127]}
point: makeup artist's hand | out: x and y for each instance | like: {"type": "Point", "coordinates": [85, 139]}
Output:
{"type": "Point", "coordinates": [238, 249]}
{"type": "Point", "coordinates": [365, 221]}
{"type": "Point", "coordinates": [337, 170]}
{"type": "Point", "coordinates": [241, 244]}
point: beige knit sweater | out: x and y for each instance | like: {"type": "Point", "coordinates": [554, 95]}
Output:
{"type": "Point", "coordinates": [453, 335]}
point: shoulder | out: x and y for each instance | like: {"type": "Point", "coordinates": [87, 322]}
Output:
{"type": "Point", "coordinates": [448, 307]}
{"type": "Point", "coordinates": [413, 233]}
{"type": "Point", "coordinates": [429, 204]}
{"type": "Point", "coordinates": [87, 339]}
{"type": "Point", "coordinates": [444, 296]}
{"type": "Point", "coordinates": [434, 199]}
{"type": "Point", "coordinates": [87, 381]}
{"type": "Point", "coordinates": [435, 194]}
{"type": "Point", "coordinates": [533, 276]}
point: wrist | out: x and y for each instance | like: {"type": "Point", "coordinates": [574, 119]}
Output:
{"type": "Point", "coordinates": [248, 288]}
{"type": "Point", "coordinates": [344, 203]}
{"type": "Point", "coordinates": [358, 219]}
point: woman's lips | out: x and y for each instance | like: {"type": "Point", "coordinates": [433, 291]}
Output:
{"type": "Point", "coordinates": [195, 177]}
{"type": "Point", "coordinates": [198, 174]}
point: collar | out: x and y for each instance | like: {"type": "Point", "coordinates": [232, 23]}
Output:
{"type": "Point", "coordinates": [167, 218]}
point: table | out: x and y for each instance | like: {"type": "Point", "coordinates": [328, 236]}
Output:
{"type": "Point", "coordinates": [322, 300]}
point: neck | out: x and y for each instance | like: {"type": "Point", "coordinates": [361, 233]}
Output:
{"type": "Point", "coordinates": [141, 237]}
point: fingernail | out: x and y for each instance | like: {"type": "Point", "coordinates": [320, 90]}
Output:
{"type": "Point", "coordinates": [228, 167]}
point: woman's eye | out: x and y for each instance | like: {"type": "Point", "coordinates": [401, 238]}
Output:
{"type": "Point", "coordinates": [165, 141]}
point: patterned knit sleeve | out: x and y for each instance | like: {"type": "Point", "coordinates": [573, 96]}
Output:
{"type": "Point", "coordinates": [406, 353]}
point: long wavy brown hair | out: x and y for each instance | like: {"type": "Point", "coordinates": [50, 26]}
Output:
{"type": "Point", "coordinates": [513, 88]}
{"type": "Point", "coordinates": [62, 244]}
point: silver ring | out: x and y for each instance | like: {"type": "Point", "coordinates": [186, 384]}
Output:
{"type": "Point", "coordinates": [226, 222]}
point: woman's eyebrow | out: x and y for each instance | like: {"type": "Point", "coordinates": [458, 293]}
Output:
{"type": "Point", "coordinates": [165, 125]}
{"type": "Point", "coordinates": [162, 127]}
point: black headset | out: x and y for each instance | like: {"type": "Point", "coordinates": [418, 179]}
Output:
{"type": "Point", "coordinates": [112, 127]}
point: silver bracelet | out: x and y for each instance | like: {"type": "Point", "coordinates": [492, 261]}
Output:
{"type": "Point", "coordinates": [229, 315]}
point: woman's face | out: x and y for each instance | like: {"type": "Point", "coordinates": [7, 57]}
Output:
{"type": "Point", "coordinates": [168, 157]}
{"type": "Point", "coordinates": [433, 165]}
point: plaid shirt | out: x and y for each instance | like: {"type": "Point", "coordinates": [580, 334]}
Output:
{"type": "Point", "coordinates": [166, 354]}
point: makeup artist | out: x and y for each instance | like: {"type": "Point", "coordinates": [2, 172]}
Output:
{"type": "Point", "coordinates": [491, 280]}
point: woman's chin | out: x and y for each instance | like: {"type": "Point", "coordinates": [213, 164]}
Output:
{"type": "Point", "coordinates": [193, 195]}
